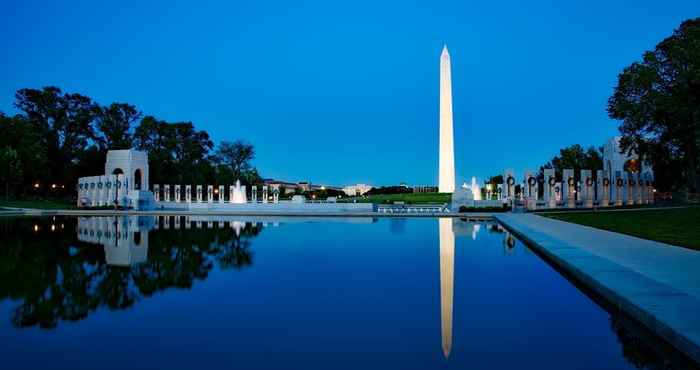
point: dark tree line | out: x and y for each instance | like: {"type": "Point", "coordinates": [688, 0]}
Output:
{"type": "Point", "coordinates": [58, 137]}
{"type": "Point", "coordinates": [658, 101]}
{"type": "Point", "coordinates": [71, 280]}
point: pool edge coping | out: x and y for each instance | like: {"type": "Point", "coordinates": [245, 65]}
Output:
{"type": "Point", "coordinates": [681, 339]}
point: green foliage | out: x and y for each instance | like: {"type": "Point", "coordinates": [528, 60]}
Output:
{"type": "Point", "coordinates": [237, 156]}
{"type": "Point", "coordinates": [678, 226]}
{"type": "Point", "coordinates": [577, 158]}
{"type": "Point", "coordinates": [389, 190]}
{"type": "Point", "coordinates": [114, 124]}
{"type": "Point", "coordinates": [60, 137]}
{"type": "Point", "coordinates": [658, 102]}
{"type": "Point", "coordinates": [10, 168]}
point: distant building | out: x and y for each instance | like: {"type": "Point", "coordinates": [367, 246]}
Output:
{"type": "Point", "coordinates": [290, 187]}
{"type": "Point", "coordinates": [357, 189]}
{"type": "Point", "coordinates": [425, 189]}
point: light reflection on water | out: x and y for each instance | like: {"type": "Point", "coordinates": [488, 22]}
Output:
{"type": "Point", "coordinates": [76, 274]}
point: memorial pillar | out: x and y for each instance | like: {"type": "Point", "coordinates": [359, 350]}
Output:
{"type": "Point", "coordinates": [619, 184]}
{"type": "Point", "coordinates": [550, 181]}
{"type": "Point", "coordinates": [254, 194]}
{"type": "Point", "coordinates": [156, 192]}
{"type": "Point", "coordinates": [178, 193]}
{"type": "Point", "coordinates": [188, 193]}
{"type": "Point", "coordinates": [264, 194]}
{"type": "Point", "coordinates": [221, 194]}
{"type": "Point", "coordinates": [166, 192]}
{"type": "Point", "coordinates": [569, 188]}
{"type": "Point", "coordinates": [199, 194]}
{"type": "Point", "coordinates": [605, 193]}
{"type": "Point", "coordinates": [587, 178]}
{"type": "Point", "coordinates": [630, 188]}
{"type": "Point", "coordinates": [210, 193]}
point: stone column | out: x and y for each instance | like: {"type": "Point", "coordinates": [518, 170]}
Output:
{"type": "Point", "coordinates": [231, 190]}
{"type": "Point", "coordinates": [599, 187]}
{"type": "Point", "coordinates": [245, 194]}
{"type": "Point", "coordinates": [605, 192]}
{"type": "Point", "coordinates": [188, 221]}
{"type": "Point", "coordinates": [199, 194]}
{"type": "Point", "coordinates": [177, 218]}
{"type": "Point", "coordinates": [630, 188]}
{"type": "Point", "coordinates": [188, 193]}
{"type": "Point", "coordinates": [264, 194]}
{"type": "Point", "coordinates": [619, 184]}
{"type": "Point", "coordinates": [549, 182]}
{"type": "Point", "coordinates": [178, 193]}
{"type": "Point", "coordinates": [156, 192]}
{"type": "Point", "coordinates": [530, 190]}
{"type": "Point", "coordinates": [254, 194]}
{"type": "Point", "coordinates": [509, 184]}
{"type": "Point", "coordinates": [166, 192]}
{"type": "Point", "coordinates": [210, 193]}
{"type": "Point", "coordinates": [569, 188]}
{"type": "Point", "coordinates": [222, 194]}
{"type": "Point", "coordinates": [639, 190]}
{"type": "Point", "coordinates": [587, 189]}
{"type": "Point", "coordinates": [275, 195]}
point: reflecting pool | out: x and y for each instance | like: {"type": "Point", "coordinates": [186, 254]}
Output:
{"type": "Point", "coordinates": [324, 293]}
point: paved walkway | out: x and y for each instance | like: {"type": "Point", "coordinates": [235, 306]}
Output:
{"type": "Point", "coordinates": [656, 283]}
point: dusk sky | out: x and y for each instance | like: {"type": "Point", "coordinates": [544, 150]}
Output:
{"type": "Point", "coordinates": [339, 93]}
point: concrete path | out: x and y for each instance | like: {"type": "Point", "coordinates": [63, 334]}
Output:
{"type": "Point", "coordinates": [656, 283]}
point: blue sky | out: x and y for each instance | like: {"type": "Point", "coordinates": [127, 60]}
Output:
{"type": "Point", "coordinates": [347, 92]}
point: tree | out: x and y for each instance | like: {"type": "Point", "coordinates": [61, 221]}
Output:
{"type": "Point", "coordinates": [114, 124]}
{"type": "Point", "coordinates": [576, 158]}
{"type": "Point", "coordinates": [658, 102]}
{"type": "Point", "coordinates": [64, 123]}
{"type": "Point", "coordinates": [20, 135]}
{"type": "Point", "coordinates": [10, 168]}
{"type": "Point", "coordinates": [177, 152]}
{"type": "Point", "coordinates": [236, 155]}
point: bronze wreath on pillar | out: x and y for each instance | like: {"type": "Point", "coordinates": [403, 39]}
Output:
{"type": "Point", "coordinates": [552, 181]}
{"type": "Point", "coordinates": [606, 182]}
{"type": "Point", "coordinates": [619, 182]}
{"type": "Point", "coordinates": [589, 181]}
{"type": "Point", "coordinates": [510, 181]}
{"type": "Point", "coordinates": [570, 181]}
{"type": "Point", "coordinates": [532, 181]}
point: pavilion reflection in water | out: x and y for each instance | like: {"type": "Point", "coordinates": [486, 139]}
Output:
{"type": "Point", "coordinates": [125, 239]}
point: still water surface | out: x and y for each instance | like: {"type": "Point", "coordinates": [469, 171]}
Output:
{"type": "Point", "coordinates": [223, 292]}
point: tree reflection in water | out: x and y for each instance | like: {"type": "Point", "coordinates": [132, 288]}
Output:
{"type": "Point", "coordinates": [56, 276]}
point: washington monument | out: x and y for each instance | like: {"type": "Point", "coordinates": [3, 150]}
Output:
{"type": "Point", "coordinates": [446, 183]}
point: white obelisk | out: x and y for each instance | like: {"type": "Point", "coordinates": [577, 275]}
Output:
{"type": "Point", "coordinates": [447, 154]}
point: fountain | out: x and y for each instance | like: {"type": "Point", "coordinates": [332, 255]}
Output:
{"type": "Point", "coordinates": [476, 190]}
{"type": "Point", "coordinates": [238, 195]}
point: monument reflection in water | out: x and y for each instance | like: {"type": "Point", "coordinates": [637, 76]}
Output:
{"type": "Point", "coordinates": [334, 289]}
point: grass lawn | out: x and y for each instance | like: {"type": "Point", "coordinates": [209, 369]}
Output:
{"type": "Point", "coordinates": [680, 226]}
{"type": "Point", "coordinates": [38, 204]}
{"type": "Point", "coordinates": [408, 198]}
